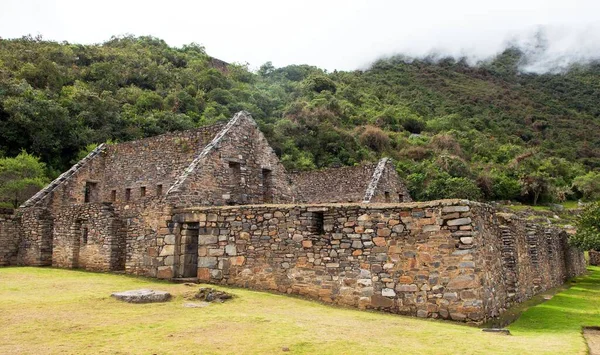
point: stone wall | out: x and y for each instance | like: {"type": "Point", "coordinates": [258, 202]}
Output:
{"type": "Point", "coordinates": [9, 242]}
{"type": "Point", "coordinates": [350, 184]}
{"type": "Point", "coordinates": [594, 257]}
{"type": "Point", "coordinates": [35, 240]}
{"type": "Point", "coordinates": [520, 258]}
{"type": "Point", "coordinates": [438, 259]}
{"type": "Point", "coordinates": [89, 236]}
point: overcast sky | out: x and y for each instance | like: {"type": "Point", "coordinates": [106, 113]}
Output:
{"type": "Point", "coordinates": [341, 35]}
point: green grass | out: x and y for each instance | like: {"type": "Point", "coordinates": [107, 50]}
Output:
{"type": "Point", "coordinates": [51, 311]}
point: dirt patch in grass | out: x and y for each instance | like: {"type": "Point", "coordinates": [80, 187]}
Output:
{"type": "Point", "coordinates": [592, 337]}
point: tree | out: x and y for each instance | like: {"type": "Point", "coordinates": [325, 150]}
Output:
{"type": "Point", "coordinates": [588, 229]}
{"type": "Point", "coordinates": [588, 185]}
{"type": "Point", "coordinates": [535, 185]}
{"type": "Point", "coordinates": [20, 178]}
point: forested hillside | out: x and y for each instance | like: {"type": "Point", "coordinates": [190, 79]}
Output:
{"type": "Point", "coordinates": [481, 132]}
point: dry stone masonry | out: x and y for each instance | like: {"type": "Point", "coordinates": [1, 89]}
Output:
{"type": "Point", "coordinates": [216, 204]}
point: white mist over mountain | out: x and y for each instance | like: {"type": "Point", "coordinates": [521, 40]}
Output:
{"type": "Point", "coordinates": [334, 34]}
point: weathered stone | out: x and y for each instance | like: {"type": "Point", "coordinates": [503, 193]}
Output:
{"type": "Point", "coordinates": [398, 228]}
{"type": "Point", "coordinates": [459, 221]}
{"type": "Point", "coordinates": [231, 249]}
{"type": "Point", "coordinates": [462, 282]}
{"type": "Point", "coordinates": [378, 301]}
{"type": "Point", "coordinates": [388, 292]}
{"type": "Point", "coordinates": [407, 288]}
{"type": "Point", "coordinates": [169, 239]}
{"type": "Point", "coordinates": [379, 241]}
{"type": "Point", "coordinates": [450, 209]}
{"type": "Point", "coordinates": [208, 262]}
{"type": "Point", "coordinates": [142, 296]}
{"type": "Point", "coordinates": [466, 240]}
{"type": "Point", "coordinates": [167, 250]}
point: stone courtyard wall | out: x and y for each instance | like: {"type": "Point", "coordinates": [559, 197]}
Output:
{"type": "Point", "coordinates": [443, 259]}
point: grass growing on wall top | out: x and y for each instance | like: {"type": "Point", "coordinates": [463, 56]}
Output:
{"type": "Point", "coordinates": [49, 311]}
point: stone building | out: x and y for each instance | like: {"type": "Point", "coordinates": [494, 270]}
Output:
{"type": "Point", "coordinates": [216, 204]}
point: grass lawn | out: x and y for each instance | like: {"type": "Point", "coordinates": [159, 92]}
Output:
{"type": "Point", "coordinates": [50, 311]}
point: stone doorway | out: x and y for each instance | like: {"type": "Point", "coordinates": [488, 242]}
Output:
{"type": "Point", "coordinates": [187, 263]}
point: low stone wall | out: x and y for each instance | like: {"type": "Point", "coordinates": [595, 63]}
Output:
{"type": "Point", "coordinates": [444, 259]}
{"type": "Point", "coordinates": [9, 241]}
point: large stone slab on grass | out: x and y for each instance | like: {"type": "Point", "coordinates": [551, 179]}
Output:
{"type": "Point", "coordinates": [142, 296]}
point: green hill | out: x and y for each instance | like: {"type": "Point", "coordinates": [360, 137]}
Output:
{"type": "Point", "coordinates": [481, 132]}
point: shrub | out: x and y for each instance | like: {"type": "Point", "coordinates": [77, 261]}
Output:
{"type": "Point", "coordinates": [375, 138]}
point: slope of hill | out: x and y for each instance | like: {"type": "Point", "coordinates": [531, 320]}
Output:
{"type": "Point", "coordinates": [479, 132]}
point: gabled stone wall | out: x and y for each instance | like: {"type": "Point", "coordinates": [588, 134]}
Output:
{"type": "Point", "coordinates": [237, 167]}
{"type": "Point", "coordinates": [351, 184]}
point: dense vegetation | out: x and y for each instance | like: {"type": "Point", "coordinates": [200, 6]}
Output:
{"type": "Point", "coordinates": [479, 132]}
{"type": "Point", "coordinates": [588, 228]}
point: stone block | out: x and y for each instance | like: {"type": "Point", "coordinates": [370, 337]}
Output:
{"type": "Point", "coordinates": [230, 249]}
{"type": "Point", "coordinates": [466, 240]}
{"type": "Point", "coordinates": [216, 252]}
{"type": "Point", "coordinates": [388, 292]}
{"type": "Point", "coordinates": [167, 250]}
{"type": "Point", "coordinates": [399, 228]}
{"type": "Point", "coordinates": [407, 288]}
{"type": "Point", "coordinates": [379, 241]}
{"type": "Point", "coordinates": [431, 228]}
{"type": "Point", "coordinates": [169, 239]}
{"type": "Point", "coordinates": [450, 209]}
{"type": "Point", "coordinates": [459, 221]}
{"type": "Point", "coordinates": [463, 282]}
{"type": "Point", "coordinates": [237, 261]}
{"type": "Point", "coordinates": [165, 272]}
{"type": "Point", "coordinates": [378, 301]}
{"type": "Point", "coordinates": [207, 239]}
{"type": "Point", "coordinates": [384, 232]}
{"type": "Point", "coordinates": [207, 262]}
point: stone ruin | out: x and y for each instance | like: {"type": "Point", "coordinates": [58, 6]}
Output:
{"type": "Point", "coordinates": [216, 205]}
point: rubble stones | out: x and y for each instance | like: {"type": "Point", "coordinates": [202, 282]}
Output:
{"type": "Point", "coordinates": [208, 294]}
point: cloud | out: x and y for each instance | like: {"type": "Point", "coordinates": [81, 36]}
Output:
{"type": "Point", "coordinates": [332, 34]}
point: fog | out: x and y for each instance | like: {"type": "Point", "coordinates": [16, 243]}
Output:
{"type": "Point", "coordinates": [342, 35]}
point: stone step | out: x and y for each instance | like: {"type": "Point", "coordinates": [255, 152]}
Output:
{"type": "Point", "coordinates": [183, 280]}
